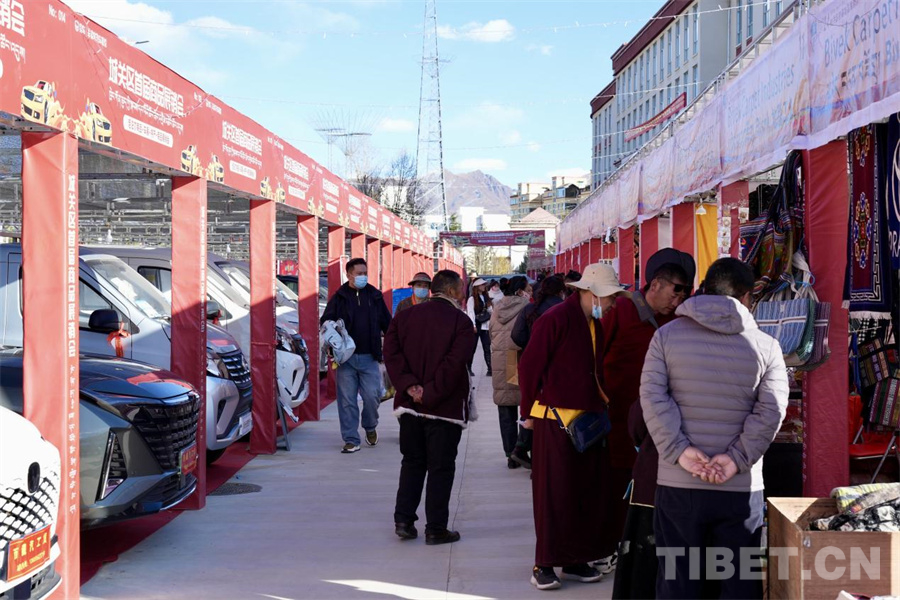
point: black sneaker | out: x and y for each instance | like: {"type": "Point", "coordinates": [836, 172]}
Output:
{"type": "Point", "coordinates": [372, 437]}
{"type": "Point", "coordinates": [489, 373]}
{"type": "Point", "coordinates": [584, 573]}
{"type": "Point", "coordinates": [349, 448]}
{"type": "Point", "coordinates": [520, 455]}
{"type": "Point", "coordinates": [511, 464]}
{"type": "Point", "coordinates": [406, 531]}
{"type": "Point", "coordinates": [441, 537]}
{"type": "Point", "coordinates": [608, 564]}
{"type": "Point", "coordinates": [544, 578]}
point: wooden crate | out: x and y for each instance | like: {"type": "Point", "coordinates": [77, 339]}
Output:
{"type": "Point", "coordinates": [789, 520]}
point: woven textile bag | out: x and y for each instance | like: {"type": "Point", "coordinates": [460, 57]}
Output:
{"type": "Point", "coordinates": [876, 363]}
{"type": "Point", "coordinates": [788, 319]}
{"type": "Point", "coordinates": [885, 409]}
{"type": "Point", "coordinates": [821, 351]}
{"type": "Point", "coordinates": [813, 349]}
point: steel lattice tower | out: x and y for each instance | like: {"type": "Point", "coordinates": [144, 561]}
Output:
{"type": "Point", "coordinates": [430, 193]}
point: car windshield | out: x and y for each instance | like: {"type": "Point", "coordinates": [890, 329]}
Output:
{"type": "Point", "coordinates": [133, 286]}
{"type": "Point", "coordinates": [238, 279]}
{"type": "Point", "coordinates": [222, 287]}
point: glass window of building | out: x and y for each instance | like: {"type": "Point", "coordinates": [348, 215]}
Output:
{"type": "Point", "coordinates": [677, 44]}
{"type": "Point", "coordinates": [765, 14]}
{"type": "Point", "coordinates": [685, 38]}
{"type": "Point", "coordinates": [654, 64]}
{"type": "Point", "coordinates": [662, 73]}
{"type": "Point", "coordinates": [696, 81]}
{"type": "Point", "coordinates": [749, 20]}
{"type": "Point", "coordinates": [697, 29]}
{"type": "Point", "coordinates": [669, 50]}
{"type": "Point", "coordinates": [668, 94]}
{"type": "Point", "coordinates": [740, 23]}
{"type": "Point", "coordinates": [778, 6]}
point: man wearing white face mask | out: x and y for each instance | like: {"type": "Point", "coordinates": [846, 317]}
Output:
{"type": "Point", "coordinates": [362, 308]}
{"type": "Point", "coordinates": [421, 288]}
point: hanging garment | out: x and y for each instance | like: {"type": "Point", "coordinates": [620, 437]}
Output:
{"type": "Point", "coordinates": [867, 287]}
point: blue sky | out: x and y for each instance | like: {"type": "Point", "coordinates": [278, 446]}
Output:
{"type": "Point", "coordinates": [515, 91]}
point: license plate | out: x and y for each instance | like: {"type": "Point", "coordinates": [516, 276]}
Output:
{"type": "Point", "coordinates": [189, 459]}
{"type": "Point", "coordinates": [246, 423]}
{"type": "Point", "coordinates": [28, 554]}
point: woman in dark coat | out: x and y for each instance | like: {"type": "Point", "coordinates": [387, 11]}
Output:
{"type": "Point", "coordinates": [561, 368]}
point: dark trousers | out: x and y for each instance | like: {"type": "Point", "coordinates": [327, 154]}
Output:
{"type": "Point", "coordinates": [688, 519]}
{"type": "Point", "coordinates": [485, 337]}
{"type": "Point", "coordinates": [429, 448]}
{"type": "Point", "coordinates": [509, 427]}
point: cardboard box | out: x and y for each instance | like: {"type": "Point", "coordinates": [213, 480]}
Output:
{"type": "Point", "coordinates": [789, 520]}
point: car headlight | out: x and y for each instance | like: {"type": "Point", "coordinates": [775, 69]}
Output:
{"type": "Point", "coordinates": [283, 340]}
{"type": "Point", "coordinates": [215, 366]}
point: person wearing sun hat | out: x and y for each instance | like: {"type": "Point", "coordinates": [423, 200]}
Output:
{"type": "Point", "coordinates": [561, 368]}
{"type": "Point", "coordinates": [421, 287]}
{"type": "Point", "coordinates": [479, 307]}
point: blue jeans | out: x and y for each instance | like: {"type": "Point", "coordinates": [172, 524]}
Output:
{"type": "Point", "coordinates": [359, 376]}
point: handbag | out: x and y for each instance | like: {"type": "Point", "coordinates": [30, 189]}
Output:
{"type": "Point", "coordinates": [790, 321]}
{"type": "Point", "coordinates": [876, 363]}
{"type": "Point", "coordinates": [586, 429]}
{"type": "Point", "coordinates": [885, 408]}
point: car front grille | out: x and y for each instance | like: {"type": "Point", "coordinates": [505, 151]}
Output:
{"type": "Point", "coordinates": [22, 513]}
{"type": "Point", "coordinates": [169, 428]}
{"type": "Point", "coordinates": [237, 369]}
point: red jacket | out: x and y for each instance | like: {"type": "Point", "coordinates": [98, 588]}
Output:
{"type": "Point", "coordinates": [430, 345]}
{"type": "Point", "coordinates": [558, 365]}
{"type": "Point", "coordinates": [626, 340]}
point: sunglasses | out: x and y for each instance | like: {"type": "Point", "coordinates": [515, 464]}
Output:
{"type": "Point", "coordinates": [679, 288]}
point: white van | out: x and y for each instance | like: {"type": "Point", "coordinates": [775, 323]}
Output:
{"type": "Point", "coordinates": [29, 497]}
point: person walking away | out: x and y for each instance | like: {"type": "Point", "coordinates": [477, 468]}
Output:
{"type": "Point", "coordinates": [362, 308]}
{"type": "Point", "coordinates": [552, 291]}
{"type": "Point", "coordinates": [421, 288]}
{"type": "Point", "coordinates": [560, 368]}
{"type": "Point", "coordinates": [479, 308]}
{"type": "Point", "coordinates": [426, 351]}
{"type": "Point", "coordinates": [714, 391]}
{"type": "Point", "coordinates": [506, 395]}
{"type": "Point", "coordinates": [627, 331]}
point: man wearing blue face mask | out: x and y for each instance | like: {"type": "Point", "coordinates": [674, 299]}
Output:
{"type": "Point", "coordinates": [421, 289]}
{"type": "Point", "coordinates": [362, 308]}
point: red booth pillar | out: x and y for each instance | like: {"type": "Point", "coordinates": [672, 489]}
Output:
{"type": "Point", "coordinates": [826, 447]}
{"type": "Point", "coordinates": [262, 325]}
{"type": "Point", "coordinates": [596, 251]}
{"type": "Point", "coordinates": [358, 247]}
{"type": "Point", "coordinates": [337, 246]}
{"type": "Point", "coordinates": [683, 227]}
{"type": "Point", "coordinates": [398, 268]}
{"type": "Point", "coordinates": [308, 291]}
{"type": "Point", "coordinates": [50, 313]}
{"type": "Point", "coordinates": [189, 305]}
{"type": "Point", "coordinates": [733, 196]}
{"type": "Point", "coordinates": [649, 245]}
{"type": "Point", "coordinates": [387, 274]}
{"type": "Point", "coordinates": [585, 254]}
{"type": "Point", "coordinates": [626, 256]}
{"type": "Point", "coordinates": [407, 268]}
{"type": "Point", "coordinates": [373, 257]}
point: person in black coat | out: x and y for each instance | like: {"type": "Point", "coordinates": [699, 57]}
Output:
{"type": "Point", "coordinates": [366, 316]}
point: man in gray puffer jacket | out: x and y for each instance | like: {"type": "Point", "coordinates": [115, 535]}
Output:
{"type": "Point", "coordinates": [714, 392]}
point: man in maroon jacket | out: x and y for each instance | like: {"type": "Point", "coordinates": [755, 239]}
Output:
{"type": "Point", "coordinates": [426, 351]}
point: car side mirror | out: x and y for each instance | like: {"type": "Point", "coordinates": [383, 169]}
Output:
{"type": "Point", "coordinates": [213, 310]}
{"type": "Point", "coordinates": [105, 320]}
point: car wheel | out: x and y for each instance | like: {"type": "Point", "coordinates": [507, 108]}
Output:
{"type": "Point", "coordinates": [214, 455]}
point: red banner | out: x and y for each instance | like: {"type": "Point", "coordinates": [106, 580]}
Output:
{"type": "Point", "coordinates": [535, 238]}
{"type": "Point", "coordinates": [664, 115]}
{"type": "Point", "coordinates": [63, 71]}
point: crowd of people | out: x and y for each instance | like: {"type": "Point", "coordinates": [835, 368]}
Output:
{"type": "Point", "coordinates": [642, 415]}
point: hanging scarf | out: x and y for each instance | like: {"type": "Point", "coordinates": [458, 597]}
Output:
{"type": "Point", "coordinates": [867, 288]}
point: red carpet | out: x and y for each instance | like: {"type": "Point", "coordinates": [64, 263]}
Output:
{"type": "Point", "coordinates": [105, 544]}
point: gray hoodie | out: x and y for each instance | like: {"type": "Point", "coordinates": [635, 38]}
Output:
{"type": "Point", "coordinates": [714, 381]}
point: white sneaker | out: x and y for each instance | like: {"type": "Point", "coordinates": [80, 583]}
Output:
{"type": "Point", "coordinates": [607, 565]}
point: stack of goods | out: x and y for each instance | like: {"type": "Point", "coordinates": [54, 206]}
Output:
{"type": "Point", "coordinates": [872, 507]}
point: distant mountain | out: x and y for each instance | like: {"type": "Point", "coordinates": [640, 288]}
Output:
{"type": "Point", "coordinates": [476, 189]}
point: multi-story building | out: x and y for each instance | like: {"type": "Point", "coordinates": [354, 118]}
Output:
{"type": "Point", "coordinates": [658, 72]}
{"type": "Point", "coordinates": [559, 197]}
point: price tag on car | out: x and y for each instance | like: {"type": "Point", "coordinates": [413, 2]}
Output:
{"type": "Point", "coordinates": [28, 554]}
{"type": "Point", "coordinates": [188, 459]}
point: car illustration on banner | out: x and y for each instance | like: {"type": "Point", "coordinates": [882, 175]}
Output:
{"type": "Point", "coordinates": [93, 125]}
{"type": "Point", "coordinates": [40, 103]}
{"type": "Point", "coordinates": [190, 162]}
{"type": "Point", "coordinates": [280, 195]}
{"type": "Point", "coordinates": [265, 188]}
{"type": "Point", "coordinates": [215, 171]}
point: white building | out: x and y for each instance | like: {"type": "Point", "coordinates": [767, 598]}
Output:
{"type": "Point", "coordinates": [474, 218]}
{"type": "Point", "coordinates": [664, 67]}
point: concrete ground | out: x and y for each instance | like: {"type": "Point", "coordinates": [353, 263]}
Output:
{"type": "Point", "coordinates": [322, 527]}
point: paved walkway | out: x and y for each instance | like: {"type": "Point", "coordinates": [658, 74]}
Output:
{"type": "Point", "coordinates": [322, 527]}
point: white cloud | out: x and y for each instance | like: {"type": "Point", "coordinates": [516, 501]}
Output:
{"type": "Point", "coordinates": [573, 173]}
{"type": "Point", "coordinates": [480, 164]}
{"type": "Point", "coordinates": [545, 49]}
{"type": "Point", "coordinates": [488, 116]}
{"type": "Point", "coordinates": [498, 30]}
{"type": "Point", "coordinates": [510, 137]}
{"type": "Point", "coordinates": [389, 125]}
{"type": "Point", "coordinates": [533, 146]}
